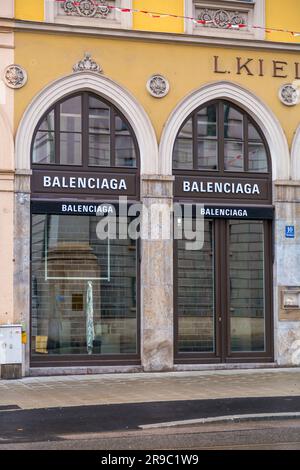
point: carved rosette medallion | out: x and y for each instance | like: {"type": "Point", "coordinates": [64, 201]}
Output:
{"type": "Point", "coordinates": [86, 8]}
{"type": "Point", "coordinates": [15, 76]}
{"type": "Point", "coordinates": [221, 18]}
{"type": "Point", "coordinates": [158, 86]}
{"type": "Point", "coordinates": [289, 94]}
{"type": "Point", "coordinates": [87, 64]}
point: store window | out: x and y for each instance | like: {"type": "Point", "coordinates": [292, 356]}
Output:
{"type": "Point", "coordinates": [84, 131]}
{"type": "Point", "coordinates": [84, 289]}
{"type": "Point", "coordinates": [220, 137]}
{"type": "Point", "coordinates": [85, 297]}
{"type": "Point", "coordinates": [223, 290]}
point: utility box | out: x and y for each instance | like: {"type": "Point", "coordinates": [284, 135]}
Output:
{"type": "Point", "coordinates": [11, 351]}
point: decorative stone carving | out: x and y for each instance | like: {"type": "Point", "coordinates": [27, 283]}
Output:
{"type": "Point", "coordinates": [86, 8]}
{"type": "Point", "coordinates": [158, 86]}
{"type": "Point", "coordinates": [15, 76]}
{"type": "Point", "coordinates": [87, 64]}
{"type": "Point", "coordinates": [23, 198]}
{"type": "Point", "coordinates": [219, 18]}
{"type": "Point", "coordinates": [289, 94]}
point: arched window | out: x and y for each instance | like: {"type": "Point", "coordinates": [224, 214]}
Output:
{"type": "Point", "coordinates": [222, 285]}
{"type": "Point", "coordinates": [220, 137]}
{"type": "Point", "coordinates": [84, 131]}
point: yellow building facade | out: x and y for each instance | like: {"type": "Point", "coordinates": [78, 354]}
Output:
{"type": "Point", "coordinates": [167, 103]}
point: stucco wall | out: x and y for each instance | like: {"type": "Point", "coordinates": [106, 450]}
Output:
{"type": "Point", "coordinates": [6, 182]}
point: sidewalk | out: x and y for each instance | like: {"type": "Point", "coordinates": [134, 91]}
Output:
{"type": "Point", "coordinates": [48, 392]}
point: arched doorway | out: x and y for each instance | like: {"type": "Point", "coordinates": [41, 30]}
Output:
{"type": "Point", "coordinates": [223, 291]}
{"type": "Point", "coordinates": [84, 288]}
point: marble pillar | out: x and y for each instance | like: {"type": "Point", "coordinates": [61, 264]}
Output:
{"type": "Point", "coordinates": [286, 271]}
{"type": "Point", "coordinates": [157, 275]}
{"type": "Point", "coordinates": [22, 258]}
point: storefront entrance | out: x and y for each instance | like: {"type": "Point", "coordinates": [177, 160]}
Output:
{"type": "Point", "coordinates": [223, 289]}
{"type": "Point", "coordinates": [84, 286]}
{"type": "Point", "coordinates": [223, 293]}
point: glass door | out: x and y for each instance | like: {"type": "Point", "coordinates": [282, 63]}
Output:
{"type": "Point", "coordinates": [222, 294]}
{"type": "Point", "coordinates": [249, 257]}
{"type": "Point", "coordinates": [196, 333]}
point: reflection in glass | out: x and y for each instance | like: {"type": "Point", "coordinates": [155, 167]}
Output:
{"type": "Point", "coordinates": [257, 157]}
{"type": "Point", "coordinates": [233, 156]}
{"type": "Point", "coordinates": [196, 299]}
{"type": "Point", "coordinates": [70, 115]}
{"type": "Point", "coordinates": [83, 289]}
{"type": "Point", "coordinates": [207, 122]}
{"type": "Point", "coordinates": [99, 150]}
{"type": "Point", "coordinates": [121, 126]}
{"type": "Point", "coordinates": [253, 133]}
{"type": "Point", "coordinates": [99, 117]}
{"type": "Point", "coordinates": [43, 148]}
{"type": "Point", "coordinates": [233, 123]}
{"type": "Point", "coordinates": [247, 311]}
{"type": "Point", "coordinates": [124, 144]}
{"type": "Point", "coordinates": [99, 133]}
{"type": "Point", "coordinates": [125, 151]}
{"type": "Point", "coordinates": [183, 154]}
{"type": "Point", "coordinates": [207, 154]}
{"type": "Point", "coordinates": [47, 124]}
{"type": "Point", "coordinates": [70, 148]}
{"type": "Point", "coordinates": [186, 131]}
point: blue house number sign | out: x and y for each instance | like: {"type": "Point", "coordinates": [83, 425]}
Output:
{"type": "Point", "coordinates": [289, 231]}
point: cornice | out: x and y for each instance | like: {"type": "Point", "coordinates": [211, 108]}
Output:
{"type": "Point", "coordinates": [146, 36]}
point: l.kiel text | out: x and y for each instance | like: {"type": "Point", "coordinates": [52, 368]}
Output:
{"type": "Point", "coordinates": [257, 67]}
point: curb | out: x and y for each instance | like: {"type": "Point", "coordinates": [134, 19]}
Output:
{"type": "Point", "coordinates": [223, 419]}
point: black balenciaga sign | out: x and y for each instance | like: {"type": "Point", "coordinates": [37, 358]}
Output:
{"type": "Point", "coordinates": [74, 208]}
{"type": "Point", "coordinates": [223, 211]}
{"type": "Point", "coordinates": [112, 184]}
{"type": "Point", "coordinates": [237, 212]}
{"type": "Point", "coordinates": [233, 189]}
{"type": "Point", "coordinates": [196, 210]}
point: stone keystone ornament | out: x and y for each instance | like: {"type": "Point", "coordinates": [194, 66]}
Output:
{"type": "Point", "coordinates": [87, 64]}
{"type": "Point", "coordinates": [15, 76]}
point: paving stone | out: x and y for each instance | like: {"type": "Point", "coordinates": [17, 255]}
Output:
{"type": "Point", "coordinates": [44, 392]}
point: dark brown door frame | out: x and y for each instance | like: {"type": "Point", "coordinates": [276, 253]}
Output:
{"type": "Point", "coordinates": [212, 357]}
{"type": "Point", "coordinates": [267, 355]}
{"type": "Point", "coordinates": [223, 352]}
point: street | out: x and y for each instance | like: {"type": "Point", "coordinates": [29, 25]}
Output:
{"type": "Point", "coordinates": [262, 435]}
{"type": "Point", "coordinates": [154, 425]}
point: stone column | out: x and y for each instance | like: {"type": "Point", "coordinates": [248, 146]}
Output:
{"type": "Point", "coordinates": [157, 276]}
{"type": "Point", "coordinates": [287, 272]}
{"type": "Point", "coordinates": [22, 256]}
